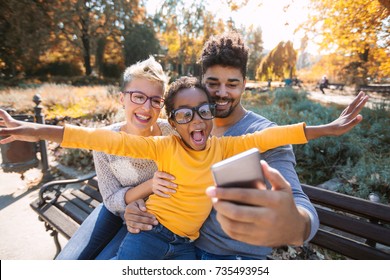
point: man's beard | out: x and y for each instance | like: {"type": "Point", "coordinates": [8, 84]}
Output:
{"type": "Point", "coordinates": [225, 113]}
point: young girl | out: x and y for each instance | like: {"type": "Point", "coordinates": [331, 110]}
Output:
{"type": "Point", "coordinates": [187, 156]}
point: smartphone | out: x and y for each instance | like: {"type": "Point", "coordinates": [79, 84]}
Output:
{"type": "Point", "coordinates": [239, 171]}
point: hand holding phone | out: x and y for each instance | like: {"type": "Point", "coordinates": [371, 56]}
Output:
{"type": "Point", "coordinates": [239, 171]}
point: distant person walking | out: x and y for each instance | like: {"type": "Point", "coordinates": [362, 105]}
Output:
{"type": "Point", "coordinates": [269, 81]}
{"type": "Point", "coordinates": [324, 84]}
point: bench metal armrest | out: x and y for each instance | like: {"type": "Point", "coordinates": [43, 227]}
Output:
{"type": "Point", "coordinates": [58, 185]}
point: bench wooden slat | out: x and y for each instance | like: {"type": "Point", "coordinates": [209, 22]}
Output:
{"type": "Point", "coordinates": [347, 247]}
{"type": "Point", "coordinates": [94, 183]}
{"type": "Point", "coordinates": [354, 226]}
{"type": "Point", "coordinates": [91, 192]}
{"type": "Point", "coordinates": [348, 203]}
{"type": "Point", "coordinates": [56, 218]}
{"type": "Point", "coordinates": [75, 212]}
{"type": "Point", "coordinates": [91, 202]}
{"type": "Point", "coordinates": [82, 204]}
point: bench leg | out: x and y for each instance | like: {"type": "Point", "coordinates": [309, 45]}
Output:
{"type": "Point", "coordinates": [53, 233]}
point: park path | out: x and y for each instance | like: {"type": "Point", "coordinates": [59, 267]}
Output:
{"type": "Point", "coordinates": [345, 98]}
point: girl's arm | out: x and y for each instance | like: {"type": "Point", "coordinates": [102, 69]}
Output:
{"type": "Point", "coordinates": [143, 190]}
{"type": "Point", "coordinates": [348, 119]}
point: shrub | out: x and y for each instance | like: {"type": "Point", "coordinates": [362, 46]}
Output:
{"type": "Point", "coordinates": [112, 70]}
{"type": "Point", "coordinates": [59, 68]}
{"type": "Point", "coordinates": [359, 159]}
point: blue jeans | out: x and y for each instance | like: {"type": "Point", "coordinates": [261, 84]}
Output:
{"type": "Point", "coordinates": [203, 255]}
{"type": "Point", "coordinates": [157, 244]}
{"type": "Point", "coordinates": [99, 236]}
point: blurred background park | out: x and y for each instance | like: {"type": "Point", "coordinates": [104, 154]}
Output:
{"type": "Point", "coordinates": [72, 53]}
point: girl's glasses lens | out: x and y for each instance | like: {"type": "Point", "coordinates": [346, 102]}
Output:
{"type": "Point", "coordinates": [185, 115]}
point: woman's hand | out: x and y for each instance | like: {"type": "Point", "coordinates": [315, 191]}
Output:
{"type": "Point", "coordinates": [162, 184]}
{"type": "Point", "coordinates": [26, 131]}
{"type": "Point", "coordinates": [16, 130]}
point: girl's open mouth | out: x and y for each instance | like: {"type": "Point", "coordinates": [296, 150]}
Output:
{"type": "Point", "coordinates": [198, 137]}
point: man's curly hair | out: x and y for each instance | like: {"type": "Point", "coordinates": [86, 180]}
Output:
{"type": "Point", "coordinates": [226, 49]}
{"type": "Point", "coordinates": [182, 83]}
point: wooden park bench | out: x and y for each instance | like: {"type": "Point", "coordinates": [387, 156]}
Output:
{"type": "Point", "coordinates": [381, 89]}
{"type": "Point", "coordinates": [64, 204]}
{"type": "Point", "coordinates": [350, 226]}
{"type": "Point", "coordinates": [338, 86]}
{"type": "Point", "coordinates": [332, 86]}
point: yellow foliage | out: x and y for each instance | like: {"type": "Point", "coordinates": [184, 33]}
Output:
{"type": "Point", "coordinates": [358, 30]}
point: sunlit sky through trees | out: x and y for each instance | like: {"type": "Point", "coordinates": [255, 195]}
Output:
{"type": "Point", "coordinates": [277, 22]}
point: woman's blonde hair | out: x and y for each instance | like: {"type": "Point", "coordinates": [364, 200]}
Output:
{"type": "Point", "coordinates": [148, 69]}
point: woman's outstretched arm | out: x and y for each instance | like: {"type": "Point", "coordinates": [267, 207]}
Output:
{"type": "Point", "coordinates": [26, 131]}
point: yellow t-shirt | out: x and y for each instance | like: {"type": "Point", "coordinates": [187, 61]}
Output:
{"type": "Point", "coordinates": [186, 210]}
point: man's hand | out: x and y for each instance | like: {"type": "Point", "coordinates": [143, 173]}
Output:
{"type": "Point", "coordinates": [350, 116]}
{"type": "Point", "coordinates": [269, 218]}
{"type": "Point", "coordinates": [137, 218]}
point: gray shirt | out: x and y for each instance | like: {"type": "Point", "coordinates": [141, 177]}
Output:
{"type": "Point", "coordinates": [213, 239]}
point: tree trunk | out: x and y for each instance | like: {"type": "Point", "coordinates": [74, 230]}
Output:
{"type": "Point", "coordinates": [86, 44]}
{"type": "Point", "coordinates": [101, 45]}
{"type": "Point", "coordinates": [87, 54]}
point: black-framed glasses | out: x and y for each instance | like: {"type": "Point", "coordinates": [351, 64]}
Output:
{"type": "Point", "coordinates": [138, 97]}
{"type": "Point", "coordinates": [185, 115]}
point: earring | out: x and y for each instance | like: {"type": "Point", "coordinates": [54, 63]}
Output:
{"type": "Point", "coordinates": [123, 106]}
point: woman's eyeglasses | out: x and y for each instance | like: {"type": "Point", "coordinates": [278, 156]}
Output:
{"type": "Point", "coordinates": [185, 115]}
{"type": "Point", "coordinates": [138, 97]}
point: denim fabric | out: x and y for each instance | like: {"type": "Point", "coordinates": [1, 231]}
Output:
{"type": "Point", "coordinates": [157, 244]}
{"type": "Point", "coordinates": [101, 230]}
{"type": "Point", "coordinates": [203, 255]}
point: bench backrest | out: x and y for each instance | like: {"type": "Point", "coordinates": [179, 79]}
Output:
{"type": "Point", "coordinates": [353, 227]}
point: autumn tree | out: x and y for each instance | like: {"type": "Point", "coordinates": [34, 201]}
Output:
{"type": "Point", "coordinates": [358, 30]}
{"type": "Point", "coordinates": [24, 32]}
{"type": "Point", "coordinates": [139, 42]}
{"type": "Point", "coordinates": [88, 25]}
{"type": "Point", "coordinates": [279, 63]}
{"type": "Point", "coordinates": [254, 41]}
{"type": "Point", "coordinates": [183, 27]}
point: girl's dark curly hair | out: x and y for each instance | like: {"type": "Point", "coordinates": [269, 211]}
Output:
{"type": "Point", "coordinates": [227, 49]}
{"type": "Point", "coordinates": [182, 83]}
